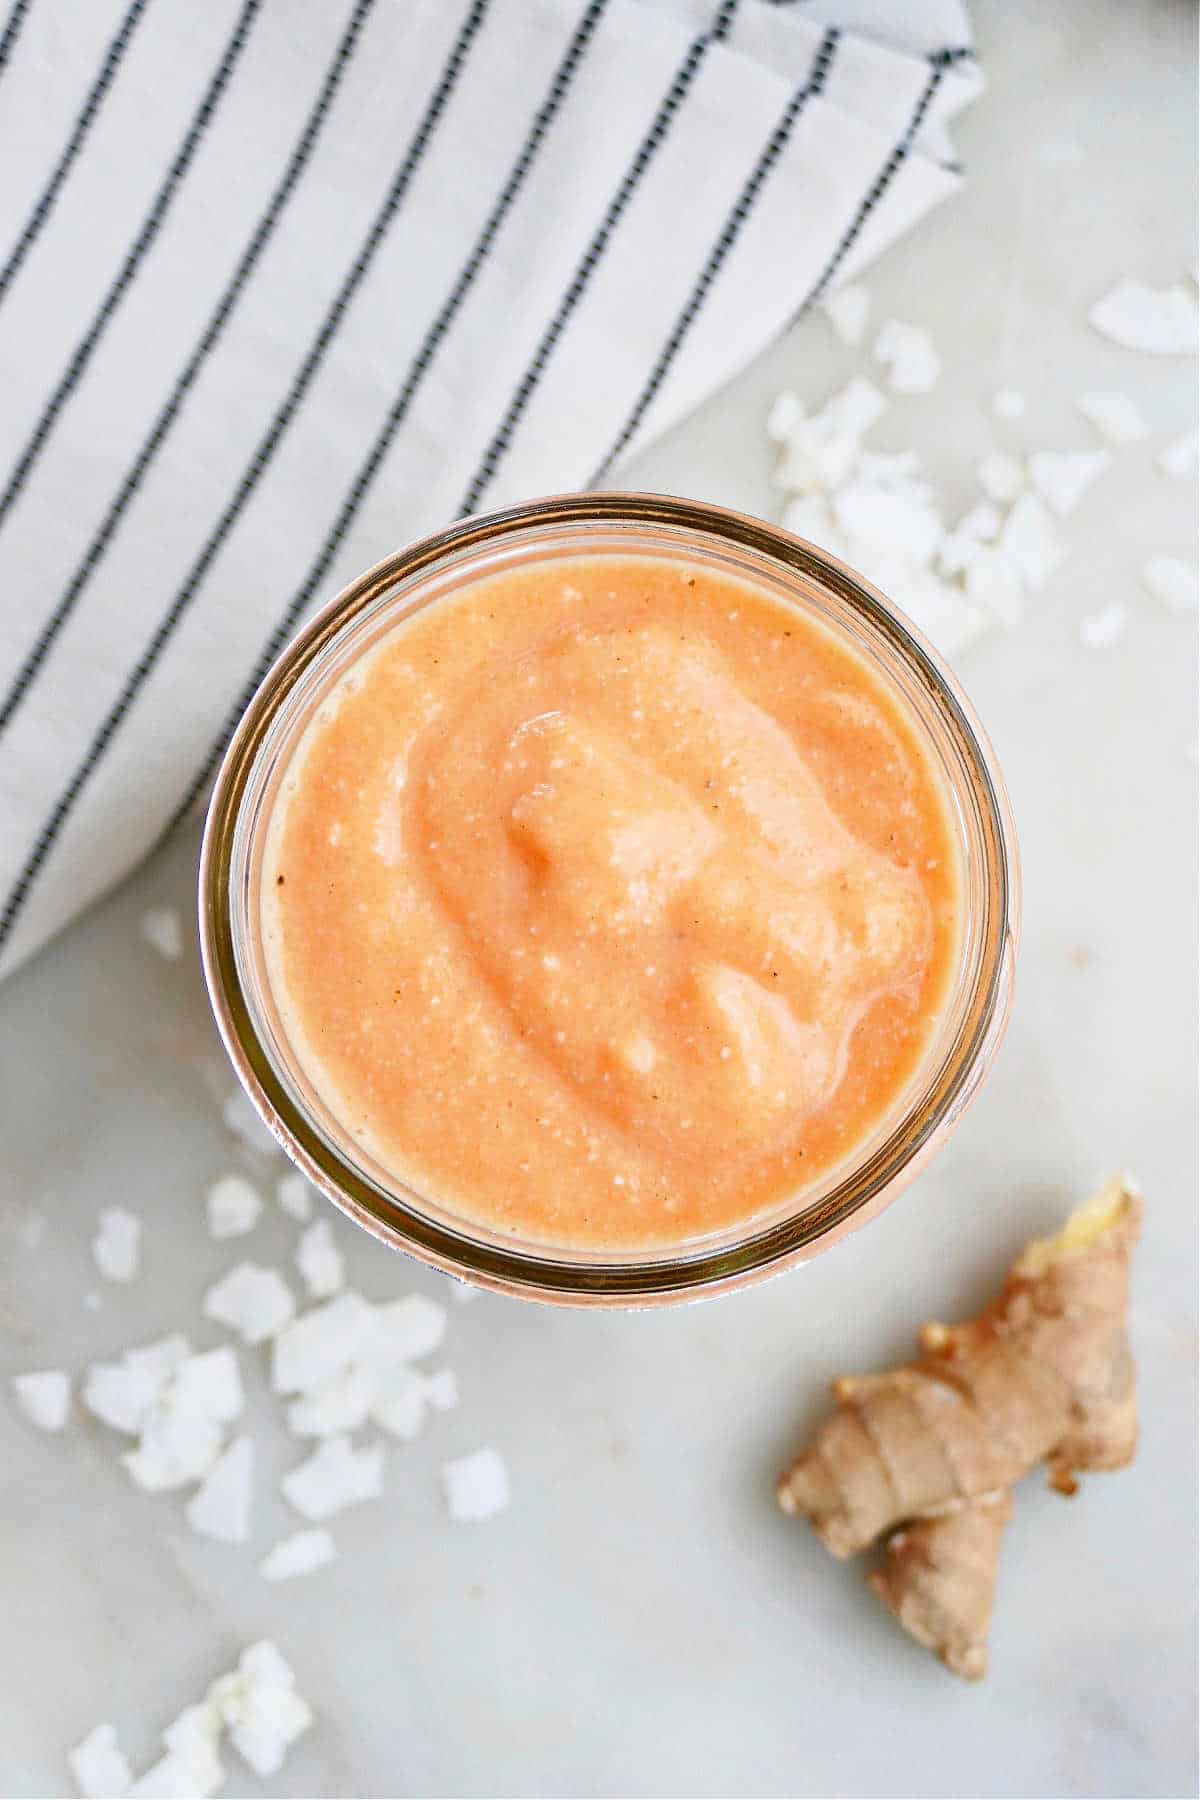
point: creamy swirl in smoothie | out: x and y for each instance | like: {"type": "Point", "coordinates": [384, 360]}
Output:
{"type": "Point", "coordinates": [610, 902]}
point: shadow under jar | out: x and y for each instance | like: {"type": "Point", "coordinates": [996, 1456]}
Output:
{"type": "Point", "coordinates": [609, 589]}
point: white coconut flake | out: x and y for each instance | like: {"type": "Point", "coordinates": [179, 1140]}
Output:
{"type": "Point", "coordinates": [44, 1396]}
{"type": "Point", "coordinates": [233, 1206]}
{"type": "Point", "coordinates": [116, 1246]}
{"type": "Point", "coordinates": [820, 450]}
{"type": "Point", "coordinates": [100, 1769]}
{"type": "Point", "coordinates": [122, 1394]}
{"type": "Point", "coordinates": [1171, 580]}
{"type": "Point", "coordinates": [784, 417]}
{"type": "Point", "coordinates": [322, 1342]}
{"type": "Point", "coordinates": [255, 1302]}
{"type": "Point", "coordinates": [993, 583]}
{"type": "Point", "coordinates": [191, 1768]}
{"type": "Point", "coordinates": [243, 1123]}
{"type": "Point", "coordinates": [1001, 476]}
{"type": "Point", "coordinates": [1063, 477]}
{"type": "Point", "coordinates": [1031, 542]}
{"type": "Point", "coordinates": [210, 1384]}
{"type": "Point", "coordinates": [162, 929]}
{"type": "Point", "coordinates": [847, 309]}
{"type": "Point", "coordinates": [300, 1554]}
{"type": "Point", "coordinates": [295, 1196]}
{"type": "Point", "coordinates": [320, 1261]}
{"type": "Point", "coordinates": [908, 354]}
{"type": "Point", "coordinates": [405, 1396]}
{"type": "Point", "coordinates": [1161, 321]}
{"type": "Point", "coordinates": [1105, 628]}
{"type": "Point", "coordinates": [340, 1404]}
{"type": "Point", "coordinates": [1007, 403]}
{"type": "Point", "coordinates": [1115, 416]}
{"type": "Point", "coordinates": [177, 1445]}
{"type": "Point", "coordinates": [220, 1507]}
{"type": "Point", "coordinates": [1180, 458]}
{"type": "Point", "coordinates": [409, 1328]}
{"type": "Point", "coordinates": [334, 1476]}
{"type": "Point", "coordinates": [476, 1487]}
{"type": "Point", "coordinates": [259, 1704]}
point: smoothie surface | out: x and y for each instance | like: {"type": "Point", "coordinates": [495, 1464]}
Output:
{"type": "Point", "coordinates": [609, 902]}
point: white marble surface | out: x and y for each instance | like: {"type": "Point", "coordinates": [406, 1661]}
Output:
{"type": "Point", "coordinates": [643, 1621]}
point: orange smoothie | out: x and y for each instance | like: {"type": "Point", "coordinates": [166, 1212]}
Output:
{"type": "Point", "coordinates": [610, 902]}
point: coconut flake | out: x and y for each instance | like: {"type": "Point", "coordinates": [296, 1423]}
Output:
{"type": "Point", "coordinates": [1063, 477]}
{"type": "Point", "coordinates": [162, 929]}
{"type": "Point", "coordinates": [1105, 628]}
{"type": "Point", "coordinates": [961, 547]}
{"type": "Point", "coordinates": [255, 1302]}
{"type": "Point", "coordinates": [1180, 457]}
{"type": "Point", "coordinates": [1001, 476]}
{"type": "Point", "coordinates": [300, 1554]}
{"type": "Point", "coordinates": [210, 1384]}
{"type": "Point", "coordinates": [1031, 543]}
{"type": "Point", "coordinates": [1115, 416]}
{"type": "Point", "coordinates": [405, 1396]}
{"type": "Point", "coordinates": [820, 450]}
{"type": "Point", "coordinates": [889, 518]}
{"type": "Point", "coordinates": [1171, 580]}
{"type": "Point", "coordinates": [994, 583]}
{"type": "Point", "coordinates": [44, 1396]}
{"type": "Point", "coordinates": [233, 1206]}
{"type": "Point", "coordinates": [409, 1328]}
{"type": "Point", "coordinates": [847, 309]}
{"type": "Point", "coordinates": [339, 1404]}
{"type": "Point", "coordinates": [100, 1769]}
{"type": "Point", "coordinates": [784, 417]}
{"type": "Point", "coordinates": [1161, 321]}
{"type": "Point", "coordinates": [322, 1342]}
{"type": "Point", "coordinates": [122, 1394]}
{"type": "Point", "coordinates": [191, 1769]}
{"type": "Point", "coordinates": [259, 1704]}
{"type": "Point", "coordinates": [908, 354]}
{"type": "Point", "coordinates": [1007, 403]}
{"type": "Point", "coordinates": [176, 1445]}
{"type": "Point", "coordinates": [334, 1476]}
{"type": "Point", "coordinates": [116, 1246]}
{"type": "Point", "coordinates": [295, 1196]}
{"type": "Point", "coordinates": [243, 1123]}
{"type": "Point", "coordinates": [320, 1261]}
{"type": "Point", "coordinates": [220, 1507]}
{"type": "Point", "coordinates": [476, 1486]}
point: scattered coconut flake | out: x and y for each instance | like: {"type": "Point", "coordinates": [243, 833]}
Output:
{"type": "Point", "coordinates": [1115, 416]}
{"type": "Point", "coordinates": [255, 1302]}
{"type": "Point", "coordinates": [243, 1122]}
{"type": "Point", "coordinates": [1063, 477]}
{"type": "Point", "coordinates": [908, 354]}
{"type": "Point", "coordinates": [210, 1384]}
{"type": "Point", "coordinates": [1180, 458]}
{"type": "Point", "coordinates": [476, 1486]}
{"type": "Point", "coordinates": [295, 1196]}
{"type": "Point", "coordinates": [116, 1246]}
{"type": "Point", "coordinates": [44, 1396]}
{"type": "Point", "coordinates": [259, 1704]}
{"type": "Point", "coordinates": [300, 1554]}
{"type": "Point", "coordinates": [404, 1397]}
{"type": "Point", "coordinates": [122, 1394]}
{"type": "Point", "coordinates": [320, 1261]}
{"type": "Point", "coordinates": [176, 1445]}
{"type": "Point", "coordinates": [1001, 476]}
{"type": "Point", "coordinates": [321, 1342]}
{"type": "Point", "coordinates": [1007, 403]}
{"type": "Point", "coordinates": [964, 545]}
{"type": "Point", "coordinates": [162, 929]}
{"type": "Point", "coordinates": [1105, 628]}
{"type": "Point", "coordinates": [846, 309]}
{"type": "Point", "coordinates": [1171, 580]}
{"type": "Point", "coordinates": [992, 582]}
{"type": "Point", "coordinates": [1031, 543]}
{"type": "Point", "coordinates": [441, 1390]}
{"type": "Point", "coordinates": [900, 519]}
{"type": "Point", "coordinates": [339, 1404]}
{"type": "Point", "coordinates": [409, 1328]}
{"type": "Point", "coordinates": [334, 1476]}
{"type": "Point", "coordinates": [192, 1768]}
{"type": "Point", "coordinates": [220, 1507]}
{"type": "Point", "coordinates": [1162, 321]}
{"type": "Point", "coordinates": [101, 1771]}
{"type": "Point", "coordinates": [233, 1206]}
{"type": "Point", "coordinates": [820, 449]}
{"type": "Point", "coordinates": [784, 417]}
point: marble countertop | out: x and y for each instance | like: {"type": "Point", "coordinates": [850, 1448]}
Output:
{"type": "Point", "coordinates": [643, 1621]}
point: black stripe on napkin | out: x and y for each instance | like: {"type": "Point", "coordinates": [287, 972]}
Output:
{"type": "Point", "coordinates": [144, 239]}
{"type": "Point", "coordinates": [83, 124]}
{"type": "Point", "coordinates": [12, 31]}
{"type": "Point", "coordinates": [205, 344]}
{"type": "Point", "coordinates": [742, 207]}
{"type": "Point", "coordinates": [259, 461]}
{"type": "Point", "coordinates": [433, 339]}
{"type": "Point", "coordinates": [681, 82]}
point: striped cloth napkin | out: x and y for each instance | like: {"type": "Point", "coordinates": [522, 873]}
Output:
{"type": "Point", "coordinates": [285, 283]}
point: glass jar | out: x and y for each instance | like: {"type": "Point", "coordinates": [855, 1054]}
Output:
{"type": "Point", "coordinates": [794, 572]}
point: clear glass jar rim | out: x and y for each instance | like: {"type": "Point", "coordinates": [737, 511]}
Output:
{"type": "Point", "coordinates": [522, 1270]}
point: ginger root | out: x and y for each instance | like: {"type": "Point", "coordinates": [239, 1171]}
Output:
{"type": "Point", "coordinates": [1043, 1375]}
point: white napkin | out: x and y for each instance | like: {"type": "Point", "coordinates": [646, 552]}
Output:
{"type": "Point", "coordinates": [286, 284]}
